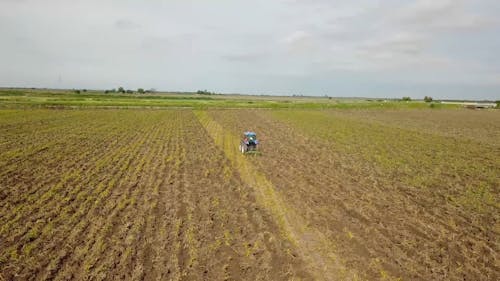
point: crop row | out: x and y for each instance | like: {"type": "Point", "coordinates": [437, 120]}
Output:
{"type": "Point", "coordinates": [355, 183]}
{"type": "Point", "coordinates": [129, 194]}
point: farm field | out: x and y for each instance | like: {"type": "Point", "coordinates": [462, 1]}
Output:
{"type": "Point", "coordinates": [37, 98]}
{"type": "Point", "coordinates": [335, 194]}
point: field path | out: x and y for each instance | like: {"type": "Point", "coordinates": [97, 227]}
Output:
{"type": "Point", "coordinates": [312, 244]}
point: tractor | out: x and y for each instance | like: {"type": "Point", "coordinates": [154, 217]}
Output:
{"type": "Point", "coordinates": [249, 142]}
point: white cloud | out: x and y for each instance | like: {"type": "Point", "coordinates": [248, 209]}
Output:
{"type": "Point", "coordinates": [126, 24]}
{"type": "Point", "coordinates": [245, 57]}
{"type": "Point", "coordinates": [399, 43]}
{"type": "Point", "coordinates": [438, 15]}
{"type": "Point", "coordinates": [221, 44]}
{"type": "Point", "coordinates": [297, 37]}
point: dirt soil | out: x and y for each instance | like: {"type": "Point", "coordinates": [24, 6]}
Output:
{"type": "Point", "coordinates": [128, 196]}
{"type": "Point", "coordinates": [333, 195]}
{"type": "Point", "coordinates": [383, 223]}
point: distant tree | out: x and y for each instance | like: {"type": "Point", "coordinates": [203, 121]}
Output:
{"type": "Point", "coordinates": [406, 99]}
{"type": "Point", "coordinates": [140, 91]}
{"type": "Point", "coordinates": [84, 90]}
{"type": "Point", "coordinates": [498, 104]}
{"type": "Point", "coordinates": [121, 90]}
{"type": "Point", "coordinates": [204, 92]}
{"type": "Point", "coordinates": [130, 92]}
{"type": "Point", "coordinates": [427, 99]}
{"type": "Point", "coordinates": [106, 91]}
{"type": "Point", "coordinates": [77, 91]}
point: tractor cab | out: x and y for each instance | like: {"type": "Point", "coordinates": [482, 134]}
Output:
{"type": "Point", "coordinates": [249, 142]}
{"type": "Point", "coordinates": [250, 137]}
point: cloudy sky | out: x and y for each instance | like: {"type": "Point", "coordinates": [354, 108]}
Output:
{"type": "Point", "coordinates": [390, 48]}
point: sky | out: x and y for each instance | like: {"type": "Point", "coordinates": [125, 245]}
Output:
{"type": "Point", "coordinates": [392, 48]}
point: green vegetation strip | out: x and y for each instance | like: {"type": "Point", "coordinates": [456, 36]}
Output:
{"type": "Point", "coordinates": [29, 99]}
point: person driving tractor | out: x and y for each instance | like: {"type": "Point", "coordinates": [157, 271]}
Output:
{"type": "Point", "coordinates": [249, 142]}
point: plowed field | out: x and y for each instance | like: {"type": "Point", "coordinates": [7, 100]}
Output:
{"type": "Point", "coordinates": [165, 195]}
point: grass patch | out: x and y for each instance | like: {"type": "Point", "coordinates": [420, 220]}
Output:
{"type": "Point", "coordinates": [38, 98]}
{"type": "Point", "coordinates": [411, 157]}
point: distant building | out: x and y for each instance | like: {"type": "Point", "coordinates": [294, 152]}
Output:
{"type": "Point", "coordinates": [473, 105]}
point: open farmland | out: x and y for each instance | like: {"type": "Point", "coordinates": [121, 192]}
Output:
{"type": "Point", "coordinates": [335, 194]}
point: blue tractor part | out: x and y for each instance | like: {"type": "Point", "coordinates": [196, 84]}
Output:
{"type": "Point", "coordinates": [249, 142]}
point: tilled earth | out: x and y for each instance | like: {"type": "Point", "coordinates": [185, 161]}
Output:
{"type": "Point", "coordinates": [333, 195]}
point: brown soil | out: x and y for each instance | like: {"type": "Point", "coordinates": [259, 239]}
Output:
{"type": "Point", "coordinates": [381, 226]}
{"type": "Point", "coordinates": [131, 195]}
{"type": "Point", "coordinates": [165, 195]}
